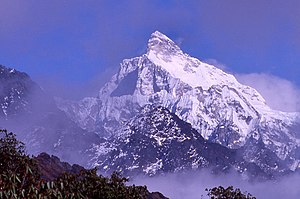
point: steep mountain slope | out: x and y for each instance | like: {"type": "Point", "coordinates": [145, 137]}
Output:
{"type": "Point", "coordinates": [220, 108]}
{"type": "Point", "coordinates": [17, 91]}
{"type": "Point", "coordinates": [32, 114]}
{"type": "Point", "coordinates": [156, 142]}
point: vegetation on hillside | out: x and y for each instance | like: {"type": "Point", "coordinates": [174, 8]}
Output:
{"type": "Point", "coordinates": [228, 193]}
{"type": "Point", "coordinates": [20, 178]}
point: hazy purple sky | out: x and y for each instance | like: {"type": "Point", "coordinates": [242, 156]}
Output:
{"type": "Point", "coordinates": [74, 42]}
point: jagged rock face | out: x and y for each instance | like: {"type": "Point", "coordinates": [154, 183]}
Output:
{"type": "Point", "coordinates": [220, 108]}
{"type": "Point", "coordinates": [156, 142]}
{"type": "Point", "coordinates": [86, 111]}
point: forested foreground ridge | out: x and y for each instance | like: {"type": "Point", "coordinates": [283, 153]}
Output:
{"type": "Point", "coordinates": [44, 176]}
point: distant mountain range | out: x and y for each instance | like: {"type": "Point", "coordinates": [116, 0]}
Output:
{"type": "Point", "coordinates": [164, 111]}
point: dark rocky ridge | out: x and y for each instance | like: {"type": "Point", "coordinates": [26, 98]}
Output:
{"type": "Point", "coordinates": [51, 167]}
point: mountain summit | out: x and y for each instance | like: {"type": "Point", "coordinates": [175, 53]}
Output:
{"type": "Point", "coordinates": [163, 52]}
{"type": "Point", "coordinates": [160, 43]}
{"type": "Point", "coordinates": [221, 109]}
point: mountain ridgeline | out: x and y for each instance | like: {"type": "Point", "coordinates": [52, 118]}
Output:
{"type": "Point", "coordinates": [163, 112]}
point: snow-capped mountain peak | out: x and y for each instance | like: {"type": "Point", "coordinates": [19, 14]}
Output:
{"type": "Point", "coordinates": [163, 52]}
{"type": "Point", "coordinates": [219, 107]}
{"type": "Point", "coordinates": [160, 43]}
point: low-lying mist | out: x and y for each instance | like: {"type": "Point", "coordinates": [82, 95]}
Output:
{"type": "Point", "coordinates": [192, 185]}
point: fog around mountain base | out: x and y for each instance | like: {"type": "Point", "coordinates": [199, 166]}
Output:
{"type": "Point", "coordinates": [192, 185]}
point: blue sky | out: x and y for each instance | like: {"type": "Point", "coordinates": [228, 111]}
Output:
{"type": "Point", "coordinates": [79, 42]}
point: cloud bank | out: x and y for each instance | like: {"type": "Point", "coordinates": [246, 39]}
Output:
{"type": "Point", "coordinates": [280, 94]}
{"type": "Point", "coordinates": [192, 185]}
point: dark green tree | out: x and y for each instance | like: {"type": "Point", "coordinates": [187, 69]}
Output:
{"type": "Point", "coordinates": [228, 193]}
{"type": "Point", "coordinates": [18, 172]}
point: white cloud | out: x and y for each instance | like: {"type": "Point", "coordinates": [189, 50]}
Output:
{"type": "Point", "coordinates": [179, 41]}
{"type": "Point", "coordinates": [217, 64]}
{"type": "Point", "coordinates": [192, 185]}
{"type": "Point", "coordinates": [280, 94]}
